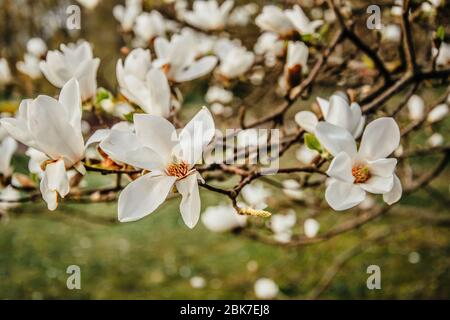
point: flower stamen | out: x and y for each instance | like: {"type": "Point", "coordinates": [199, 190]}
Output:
{"type": "Point", "coordinates": [361, 173]}
{"type": "Point", "coordinates": [179, 170]}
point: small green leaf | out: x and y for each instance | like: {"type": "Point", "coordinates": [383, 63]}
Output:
{"type": "Point", "coordinates": [129, 117]}
{"type": "Point", "coordinates": [102, 94]}
{"type": "Point", "coordinates": [312, 143]}
{"type": "Point", "coordinates": [440, 33]}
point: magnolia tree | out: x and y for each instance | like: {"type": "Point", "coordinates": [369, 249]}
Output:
{"type": "Point", "coordinates": [353, 147]}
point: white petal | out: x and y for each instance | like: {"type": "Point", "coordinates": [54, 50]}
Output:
{"type": "Point", "coordinates": [342, 195]}
{"type": "Point", "coordinates": [70, 98]}
{"type": "Point", "coordinates": [196, 135]}
{"type": "Point", "coordinates": [340, 113]}
{"type": "Point", "coordinates": [190, 202]}
{"type": "Point", "coordinates": [157, 134]}
{"type": "Point", "coordinates": [378, 185]}
{"type": "Point", "coordinates": [143, 196]}
{"type": "Point", "coordinates": [159, 93]}
{"type": "Point", "coordinates": [162, 48]}
{"type": "Point", "coordinates": [359, 128]}
{"type": "Point", "coordinates": [380, 139]}
{"type": "Point", "coordinates": [324, 106]}
{"type": "Point", "coordinates": [197, 69]}
{"type": "Point", "coordinates": [382, 167]}
{"type": "Point", "coordinates": [395, 194]}
{"type": "Point", "coordinates": [341, 168]}
{"type": "Point", "coordinates": [307, 120]}
{"type": "Point", "coordinates": [57, 179]}
{"type": "Point", "coordinates": [98, 136]}
{"type": "Point", "coordinates": [335, 139]}
{"type": "Point", "coordinates": [7, 148]}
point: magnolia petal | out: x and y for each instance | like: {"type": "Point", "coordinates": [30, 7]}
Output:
{"type": "Point", "coordinates": [196, 135]}
{"type": "Point", "coordinates": [335, 139]}
{"type": "Point", "coordinates": [57, 179]}
{"type": "Point", "coordinates": [49, 196]}
{"type": "Point", "coordinates": [162, 48]}
{"type": "Point", "coordinates": [378, 185]}
{"type": "Point", "coordinates": [7, 148]}
{"type": "Point", "coordinates": [380, 139]}
{"type": "Point", "coordinates": [18, 127]}
{"type": "Point", "coordinates": [395, 194]}
{"type": "Point", "coordinates": [157, 134]}
{"type": "Point", "coordinates": [97, 136]}
{"type": "Point", "coordinates": [324, 106]}
{"type": "Point", "coordinates": [341, 168]}
{"type": "Point", "coordinates": [340, 113]}
{"type": "Point", "coordinates": [359, 127]}
{"type": "Point", "coordinates": [307, 120]}
{"type": "Point", "coordinates": [143, 196]}
{"type": "Point", "coordinates": [159, 93]}
{"type": "Point", "coordinates": [382, 167]}
{"type": "Point", "coordinates": [190, 202]}
{"type": "Point", "coordinates": [197, 69]}
{"type": "Point", "coordinates": [70, 98]}
{"type": "Point", "coordinates": [342, 195]}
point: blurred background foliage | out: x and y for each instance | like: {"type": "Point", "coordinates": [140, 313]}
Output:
{"type": "Point", "coordinates": [156, 257]}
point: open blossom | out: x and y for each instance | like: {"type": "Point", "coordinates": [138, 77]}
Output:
{"type": "Point", "coordinates": [416, 108]}
{"type": "Point", "coordinates": [241, 16]}
{"type": "Point", "coordinates": [202, 42]}
{"type": "Point", "coordinates": [222, 218]}
{"type": "Point", "coordinates": [336, 111]}
{"type": "Point", "coordinates": [177, 59]}
{"type": "Point", "coordinates": [54, 128]}
{"type": "Point", "coordinates": [443, 58]}
{"type": "Point", "coordinates": [287, 22]}
{"type": "Point", "coordinates": [142, 84]}
{"type": "Point", "coordinates": [7, 148]}
{"type": "Point", "coordinates": [170, 160]}
{"type": "Point", "coordinates": [150, 25]}
{"type": "Point", "coordinates": [270, 46]}
{"type": "Point", "coordinates": [354, 172]}
{"type": "Point", "coordinates": [207, 15]}
{"type": "Point", "coordinates": [73, 61]}
{"type": "Point", "coordinates": [126, 15]}
{"type": "Point", "coordinates": [296, 65]}
{"type": "Point", "coordinates": [235, 60]}
{"type": "Point", "coordinates": [5, 72]}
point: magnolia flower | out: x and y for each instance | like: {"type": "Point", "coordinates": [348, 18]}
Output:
{"type": "Point", "coordinates": [336, 111]}
{"type": "Point", "coordinates": [36, 159]}
{"type": "Point", "coordinates": [352, 172]}
{"type": "Point", "coordinates": [235, 60]}
{"type": "Point", "coordinates": [438, 113]}
{"type": "Point", "coordinates": [265, 288]}
{"type": "Point", "coordinates": [36, 47]}
{"type": "Point", "coordinates": [435, 140]}
{"type": "Point", "coordinates": [311, 227]}
{"type": "Point", "coordinates": [54, 128]}
{"type": "Point", "coordinates": [150, 25]}
{"type": "Point", "coordinates": [241, 16]}
{"type": "Point", "coordinates": [391, 32]}
{"type": "Point", "coordinates": [255, 195]}
{"type": "Point", "coordinates": [177, 59]}
{"type": "Point", "coordinates": [274, 19]}
{"type": "Point", "coordinates": [126, 15]}
{"type": "Point", "coordinates": [170, 160]}
{"type": "Point", "coordinates": [269, 43]}
{"type": "Point", "coordinates": [7, 148]}
{"type": "Point", "coordinates": [301, 22]}
{"type": "Point", "coordinates": [207, 15]}
{"type": "Point", "coordinates": [443, 58]}
{"type": "Point", "coordinates": [89, 4]}
{"type": "Point", "coordinates": [30, 66]}
{"type": "Point", "coordinates": [282, 224]}
{"type": "Point", "coordinates": [296, 65]}
{"type": "Point", "coordinates": [140, 83]}
{"type": "Point", "coordinates": [291, 188]}
{"type": "Point", "coordinates": [203, 43]}
{"type": "Point", "coordinates": [5, 72]}
{"type": "Point", "coordinates": [416, 108]}
{"type": "Point", "coordinates": [222, 218]}
{"type": "Point", "coordinates": [74, 61]}
{"type": "Point", "coordinates": [218, 94]}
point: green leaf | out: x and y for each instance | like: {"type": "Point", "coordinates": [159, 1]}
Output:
{"type": "Point", "coordinates": [312, 143]}
{"type": "Point", "coordinates": [102, 94]}
{"type": "Point", "coordinates": [129, 117]}
{"type": "Point", "coordinates": [440, 33]}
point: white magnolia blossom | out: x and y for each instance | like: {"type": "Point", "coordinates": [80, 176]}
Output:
{"type": "Point", "coordinates": [170, 160]}
{"type": "Point", "coordinates": [255, 195]}
{"type": "Point", "coordinates": [336, 111]}
{"type": "Point", "coordinates": [36, 159]}
{"type": "Point", "coordinates": [391, 32]}
{"type": "Point", "coordinates": [311, 227]}
{"type": "Point", "coordinates": [222, 218]}
{"type": "Point", "coordinates": [353, 173]}
{"type": "Point", "coordinates": [242, 15]}
{"type": "Point", "coordinates": [203, 44]}
{"type": "Point", "coordinates": [437, 113]}
{"type": "Point", "coordinates": [30, 66]}
{"type": "Point", "coordinates": [416, 108]}
{"type": "Point", "coordinates": [286, 22]}
{"type": "Point", "coordinates": [37, 47]}
{"type": "Point", "coordinates": [54, 128]}
{"type": "Point", "coordinates": [296, 65]}
{"type": "Point", "coordinates": [207, 15]}
{"type": "Point", "coordinates": [265, 288]}
{"type": "Point", "coordinates": [73, 61]}
{"type": "Point", "coordinates": [235, 60]}
{"type": "Point", "coordinates": [270, 46]}
{"type": "Point", "coordinates": [142, 84]}
{"type": "Point", "coordinates": [443, 58]}
{"type": "Point", "coordinates": [282, 224]}
{"type": "Point", "coordinates": [436, 140]}
{"type": "Point", "coordinates": [305, 155]}
{"type": "Point", "coordinates": [150, 25]}
{"type": "Point", "coordinates": [177, 59]}
{"type": "Point", "coordinates": [218, 94]}
{"type": "Point", "coordinates": [126, 15]}
{"type": "Point", "coordinates": [7, 148]}
{"type": "Point", "coordinates": [5, 72]}
{"type": "Point", "coordinates": [292, 189]}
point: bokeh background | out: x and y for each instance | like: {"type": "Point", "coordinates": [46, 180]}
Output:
{"type": "Point", "coordinates": [157, 257]}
